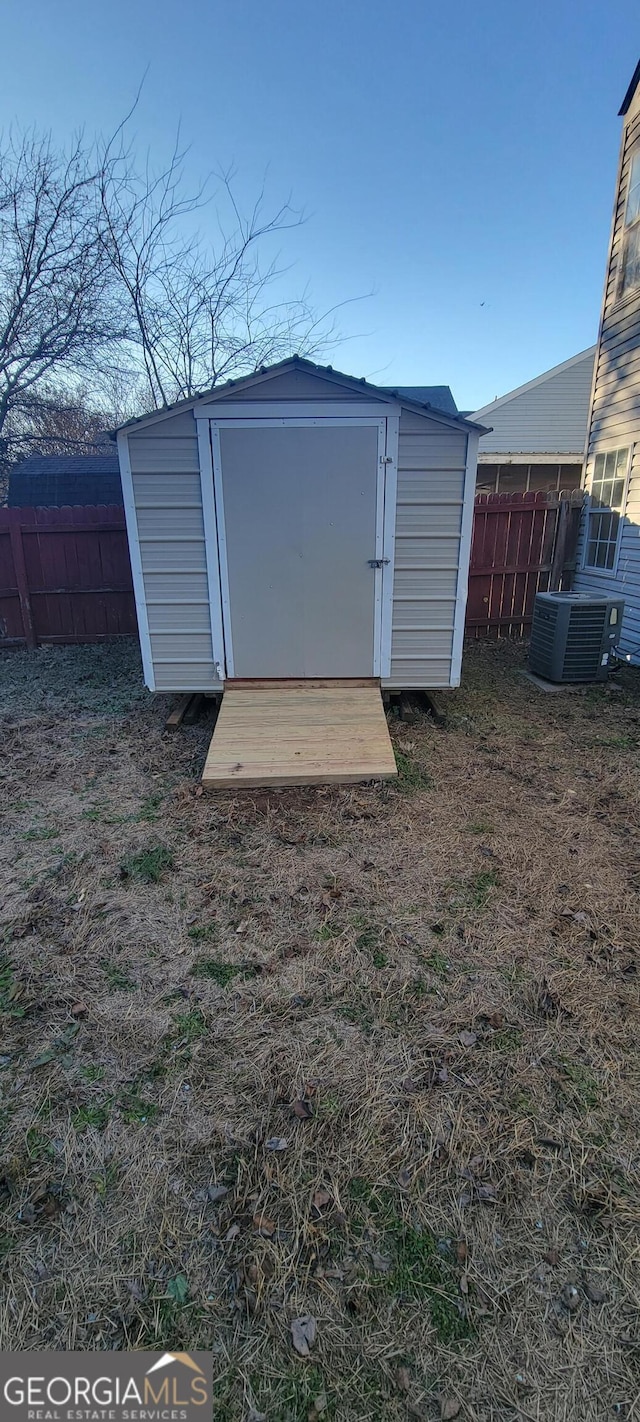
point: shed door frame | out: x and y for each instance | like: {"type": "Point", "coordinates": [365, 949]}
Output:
{"type": "Point", "coordinates": [386, 480]}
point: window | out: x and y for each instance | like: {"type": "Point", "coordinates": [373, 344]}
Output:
{"type": "Point", "coordinates": [630, 267]}
{"type": "Point", "coordinates": [606, 508]}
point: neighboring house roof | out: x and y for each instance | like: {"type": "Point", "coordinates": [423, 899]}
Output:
{"type": "Point", "coordinates": [438, 396]}
{"type": "Point", "coordinates": [326, 372]}
{"type": "Point", "coordinates": [547, 415]}
{"type": "Point", "coordinates": [52, 480]}
{"type": "Point", "coordinates": [629, 96]}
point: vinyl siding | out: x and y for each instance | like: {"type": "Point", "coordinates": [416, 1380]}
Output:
{"type": "Point", "coordinates": [625, 581]}
{"type": "Point", "coordinates": [166, 483]}
{"type": "Point", "coordinates": [548, 418]}
{"type": "Point", "coordinates": [431, 474]}
{"type": "Point", "coordinates": [615, 412]}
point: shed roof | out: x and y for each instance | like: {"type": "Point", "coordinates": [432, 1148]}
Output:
{"type": "Point", "coordinates": [326, 372]}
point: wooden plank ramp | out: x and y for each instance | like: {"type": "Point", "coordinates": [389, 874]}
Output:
{"type": "Point", "coordinates": [299, 733]}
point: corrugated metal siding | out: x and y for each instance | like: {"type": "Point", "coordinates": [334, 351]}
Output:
{"type": "Point", "coordinates": [431, 468]}
{"type": "Point", "coordinates": [166, 481]}
{"type": "Point", "coordinates": [615, 414]}
{"type": "Point", "coordinates": [549, 419]}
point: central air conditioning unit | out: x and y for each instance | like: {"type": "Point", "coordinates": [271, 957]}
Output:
{"type": "Point", "coordinates": [573, 636]}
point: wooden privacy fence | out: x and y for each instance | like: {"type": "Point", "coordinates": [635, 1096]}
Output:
{"type": "Point", "coordinates": [65, 575]}
{"type": "Point", "coordinates": [522, 544]}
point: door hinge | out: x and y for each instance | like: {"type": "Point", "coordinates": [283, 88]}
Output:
{"type": "Point", "coordinates": [378, 562]}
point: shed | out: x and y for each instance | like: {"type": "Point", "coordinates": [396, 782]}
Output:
{"type": "Point", "coordinates": [299, 523]}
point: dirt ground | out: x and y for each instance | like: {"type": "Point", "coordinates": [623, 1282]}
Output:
{"type": "Point", "coordinates": [365, 1057]}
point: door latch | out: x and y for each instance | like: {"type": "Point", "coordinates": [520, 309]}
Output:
{"type": "Point", "coordinates": [378, 562]}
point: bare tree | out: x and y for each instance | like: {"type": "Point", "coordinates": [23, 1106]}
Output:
{"type": "Point", "coordinates": [103, 278]}
{"type": "Point", "coordinates": [59, 305]}
{"type": "Point", "coordinates": [58, 421]}
{"type": "Point", "coordinates": [200, 312]}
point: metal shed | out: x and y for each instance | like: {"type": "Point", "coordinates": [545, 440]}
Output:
{"type": "Point", "coordinates": [299, 524]}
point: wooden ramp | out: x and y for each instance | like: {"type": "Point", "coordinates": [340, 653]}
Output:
{"type": "Point", "coordinates": [299, 733]}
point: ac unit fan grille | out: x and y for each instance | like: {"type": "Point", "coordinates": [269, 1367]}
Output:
{"type": "Point", "coordinates": [584, 642]}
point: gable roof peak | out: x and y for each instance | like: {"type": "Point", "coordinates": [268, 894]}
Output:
{"type": "Point", "coordinates": [629, 96]}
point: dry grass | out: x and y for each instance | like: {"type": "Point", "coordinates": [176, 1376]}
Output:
{"type": "Point", "coordinates": [444, 970]}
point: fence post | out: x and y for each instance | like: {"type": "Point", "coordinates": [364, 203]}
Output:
{"type": "Point", "coordinates": [19, 566]}
{"type": "Point", "coordinates": [562, 551]}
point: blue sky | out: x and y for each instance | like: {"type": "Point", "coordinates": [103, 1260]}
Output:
{"type": "Point", "coordinates": [455, 161]}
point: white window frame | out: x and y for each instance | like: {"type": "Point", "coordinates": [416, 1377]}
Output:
{"type": "Point", "coordinates": [590, 511]}
{"type": "Point", "coordinates": [384, 550]}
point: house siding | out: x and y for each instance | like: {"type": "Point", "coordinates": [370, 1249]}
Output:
{"type": "Point", "coordinates": [625, 581]}
{"type": "Point", "coordinates": [615, 409]}
{"type": "Point", "coordinates": [431, 479]}
{"type": "Point", "coordinates": [548, 418]}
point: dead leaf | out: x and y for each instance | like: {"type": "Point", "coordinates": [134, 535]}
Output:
{"type": "Point", "coordinates": [264, 1226]}
{"type": "Point", "coordinates": [449, 1408]}
{"type": "Point", "coordinates": [232, 1233]}
{"type": "Point", "coordinates": [217, 1192]}
{"type": "Point", "coordinates": [380, 1262]}
{"type": "Point", "coordinates": [303, 1334]}
{"type": "Point", "coordinates": [551, 1257]}
{"type": "Point", "coordinates": [464, 1284]}
{"type": "Point", "coordinates": [302, 1110]}
{"type": "Point", "coordinates": [468, 1039]}
{"type": "Point", "coordinates": [322, 1198]}
{"type": "Point", "coordinates": [318, 1406]}
{"type": "Point", "coordinates": [495, 1020]}
{"type": "Point", "coordinates": [403, 1379]}
{"type": "Point", "coordinates": [242, 927]}
{"type": "Point", "coordinates": [570, 1297]}
{"type": "Point", "coordinates": [595, 1293]}
{"type": "Point", "coordinates": [461, 1251]}
{"type": "Point", "coordinates": [79, 1009]}
{"type": "Point", "coordinates": [276, 1143]}
{"type": "Point", "coordinates": [487, 1193]}
{"type": "Point", "coordinates": [404, 1178]}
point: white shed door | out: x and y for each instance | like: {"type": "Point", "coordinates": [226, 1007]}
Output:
{"type": "Point", "coordinates": [297, 508]}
